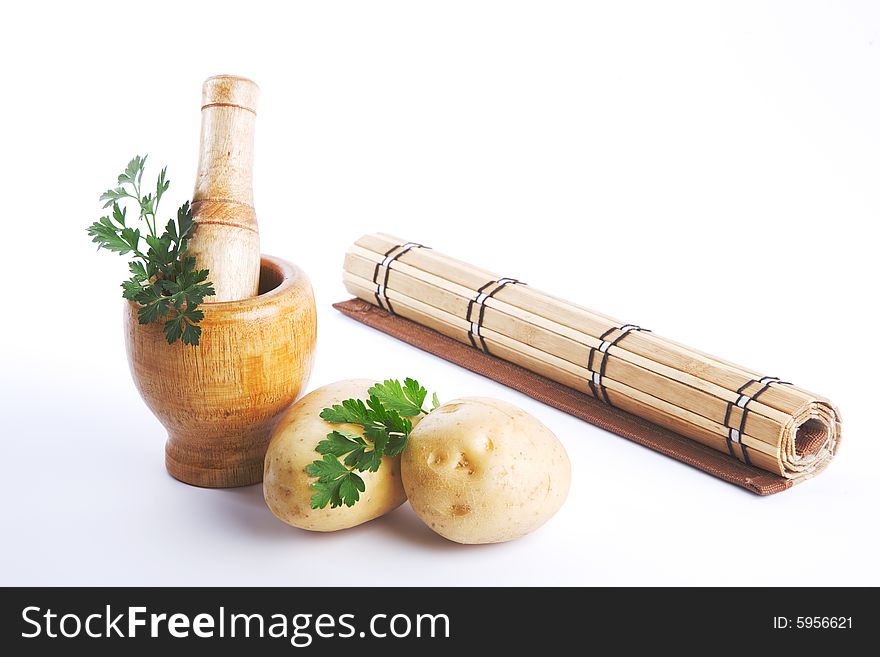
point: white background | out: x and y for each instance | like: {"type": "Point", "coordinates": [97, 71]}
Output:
{"type": "Point", "coordinates": [708, 171]}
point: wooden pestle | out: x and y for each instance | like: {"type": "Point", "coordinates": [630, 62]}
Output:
{"type": "Point", "coordinates": [225, 237]}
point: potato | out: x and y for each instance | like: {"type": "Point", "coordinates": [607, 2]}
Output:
{"type": "Point", "coordinates": [479, 470]}
{"type": "Point", "coordinates": [286, 486]}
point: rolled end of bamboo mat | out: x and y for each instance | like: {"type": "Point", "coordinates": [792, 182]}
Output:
{"type": "Point", "coordinates": [755, 421]}
{"type": "Point", "coordinates": [810, 441]}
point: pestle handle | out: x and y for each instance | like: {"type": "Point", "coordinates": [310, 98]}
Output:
{"type": "Point", "coordinates": [225, 238]}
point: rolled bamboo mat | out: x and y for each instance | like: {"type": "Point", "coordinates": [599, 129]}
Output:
{"type": "Point", "coordinates": [754, 421]}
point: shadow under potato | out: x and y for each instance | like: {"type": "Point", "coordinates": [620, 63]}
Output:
{"type": "Point", "coordinates": [245, 506]}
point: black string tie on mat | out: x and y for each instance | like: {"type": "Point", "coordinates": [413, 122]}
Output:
{"type": "Point", "coordinates": [735, 433]}
{"type": "Point", "coordinates": [486, 292]}
{"type": "Point", "coordinates": [598, 373]}
{"type": "Point", "coordinates": [391, 255]}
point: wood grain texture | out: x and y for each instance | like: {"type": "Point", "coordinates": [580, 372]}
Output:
{"type": "Point", "coordinates": [567, 399]}
{"type": "Point", "coordinates": [225, 238]}
{"type": "Point", "coordinates": [789, 431]}
{"type": "Point", "coordinates": [220, 401]}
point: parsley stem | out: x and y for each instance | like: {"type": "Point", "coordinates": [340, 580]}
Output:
{"type": "Point", "coordinates": [164, 284]}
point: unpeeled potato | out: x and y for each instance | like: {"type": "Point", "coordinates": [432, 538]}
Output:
{"type": "Point", "coordinates": [286, 485]}
{"type": "Point", "coordinates": [479, 470]}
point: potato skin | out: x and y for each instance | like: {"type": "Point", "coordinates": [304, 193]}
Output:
{"type": "Point", "coordinates": [286, 486]}
{"type": "Point", "coordinates": [479, 470]}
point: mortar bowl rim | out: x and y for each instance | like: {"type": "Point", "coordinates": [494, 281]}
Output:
{"type": "Point", "coordinates": [288, 272]}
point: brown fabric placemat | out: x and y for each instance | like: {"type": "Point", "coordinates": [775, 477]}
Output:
{"type": "Point", "coordinates": [566, 399]}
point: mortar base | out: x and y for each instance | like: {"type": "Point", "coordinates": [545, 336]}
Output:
{"type": "Point", "coordinates": [208, 468]}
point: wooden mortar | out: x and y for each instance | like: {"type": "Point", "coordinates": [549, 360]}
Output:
{"type": "Point", "coordinates": [220, 400]}
{"type": "Point", "coordinates": [225, 238]}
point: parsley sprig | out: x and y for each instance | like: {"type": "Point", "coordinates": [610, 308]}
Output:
{"type": "Point", "coordinates": [164, 280]}
{"type": "Point", "coordinates": [385, 417]}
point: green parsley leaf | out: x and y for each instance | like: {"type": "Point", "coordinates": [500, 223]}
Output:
{"type": "Point", "coordinates": [340, 443]}
{"type": "Point", "coordinates": [164, 281]}
{"type": "Point", "coordinates": [184, 220]}
{"type": "Point", "coordinates": [138, 270]}
{"type": "Point", "coordinates": [397, 442]}
{"type": "Point", "coordinates": [350, 487]}
{"type": "Point", "coordinates": [134, 171]}
{"type": "Point", "coordinates": [327, 469]}
{"type": "Point", "coordinates": [192, 332]}
{"type": "Point", "coordinates": [119, 214]}
{"type": "Point", "coordinates": [351, 411]}
{"type": "Point", "coordinates": [162, 184]}
{"type": "Point", "coordinates": [406, 399]}
{"type": "Point", "coordinates": [131, 288]}
{"type": "Point", "coordinates": [363, 459]}
{"type": "Point", "coordinates": [378, 435]}
{"type": "Point", "coordinates": [385, 418]}
{"type": "Point", "coordinates": [336, 484]}
{"type": "Point", "coordinates": [324, 493]}
{"type": "Point", "coordinates": [111, 196]}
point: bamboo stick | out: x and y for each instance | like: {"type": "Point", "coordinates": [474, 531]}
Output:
{"type": "Point", "coordinates": [765, 438]}
{"type": "Point", "coordinates": [629, 399]}
{"type": "Point", "coordinates": [786, 399]}
{"type": "Point", "coordinates": [547, 336]}
{"type": "Point", "coordinates": [673, 385]}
